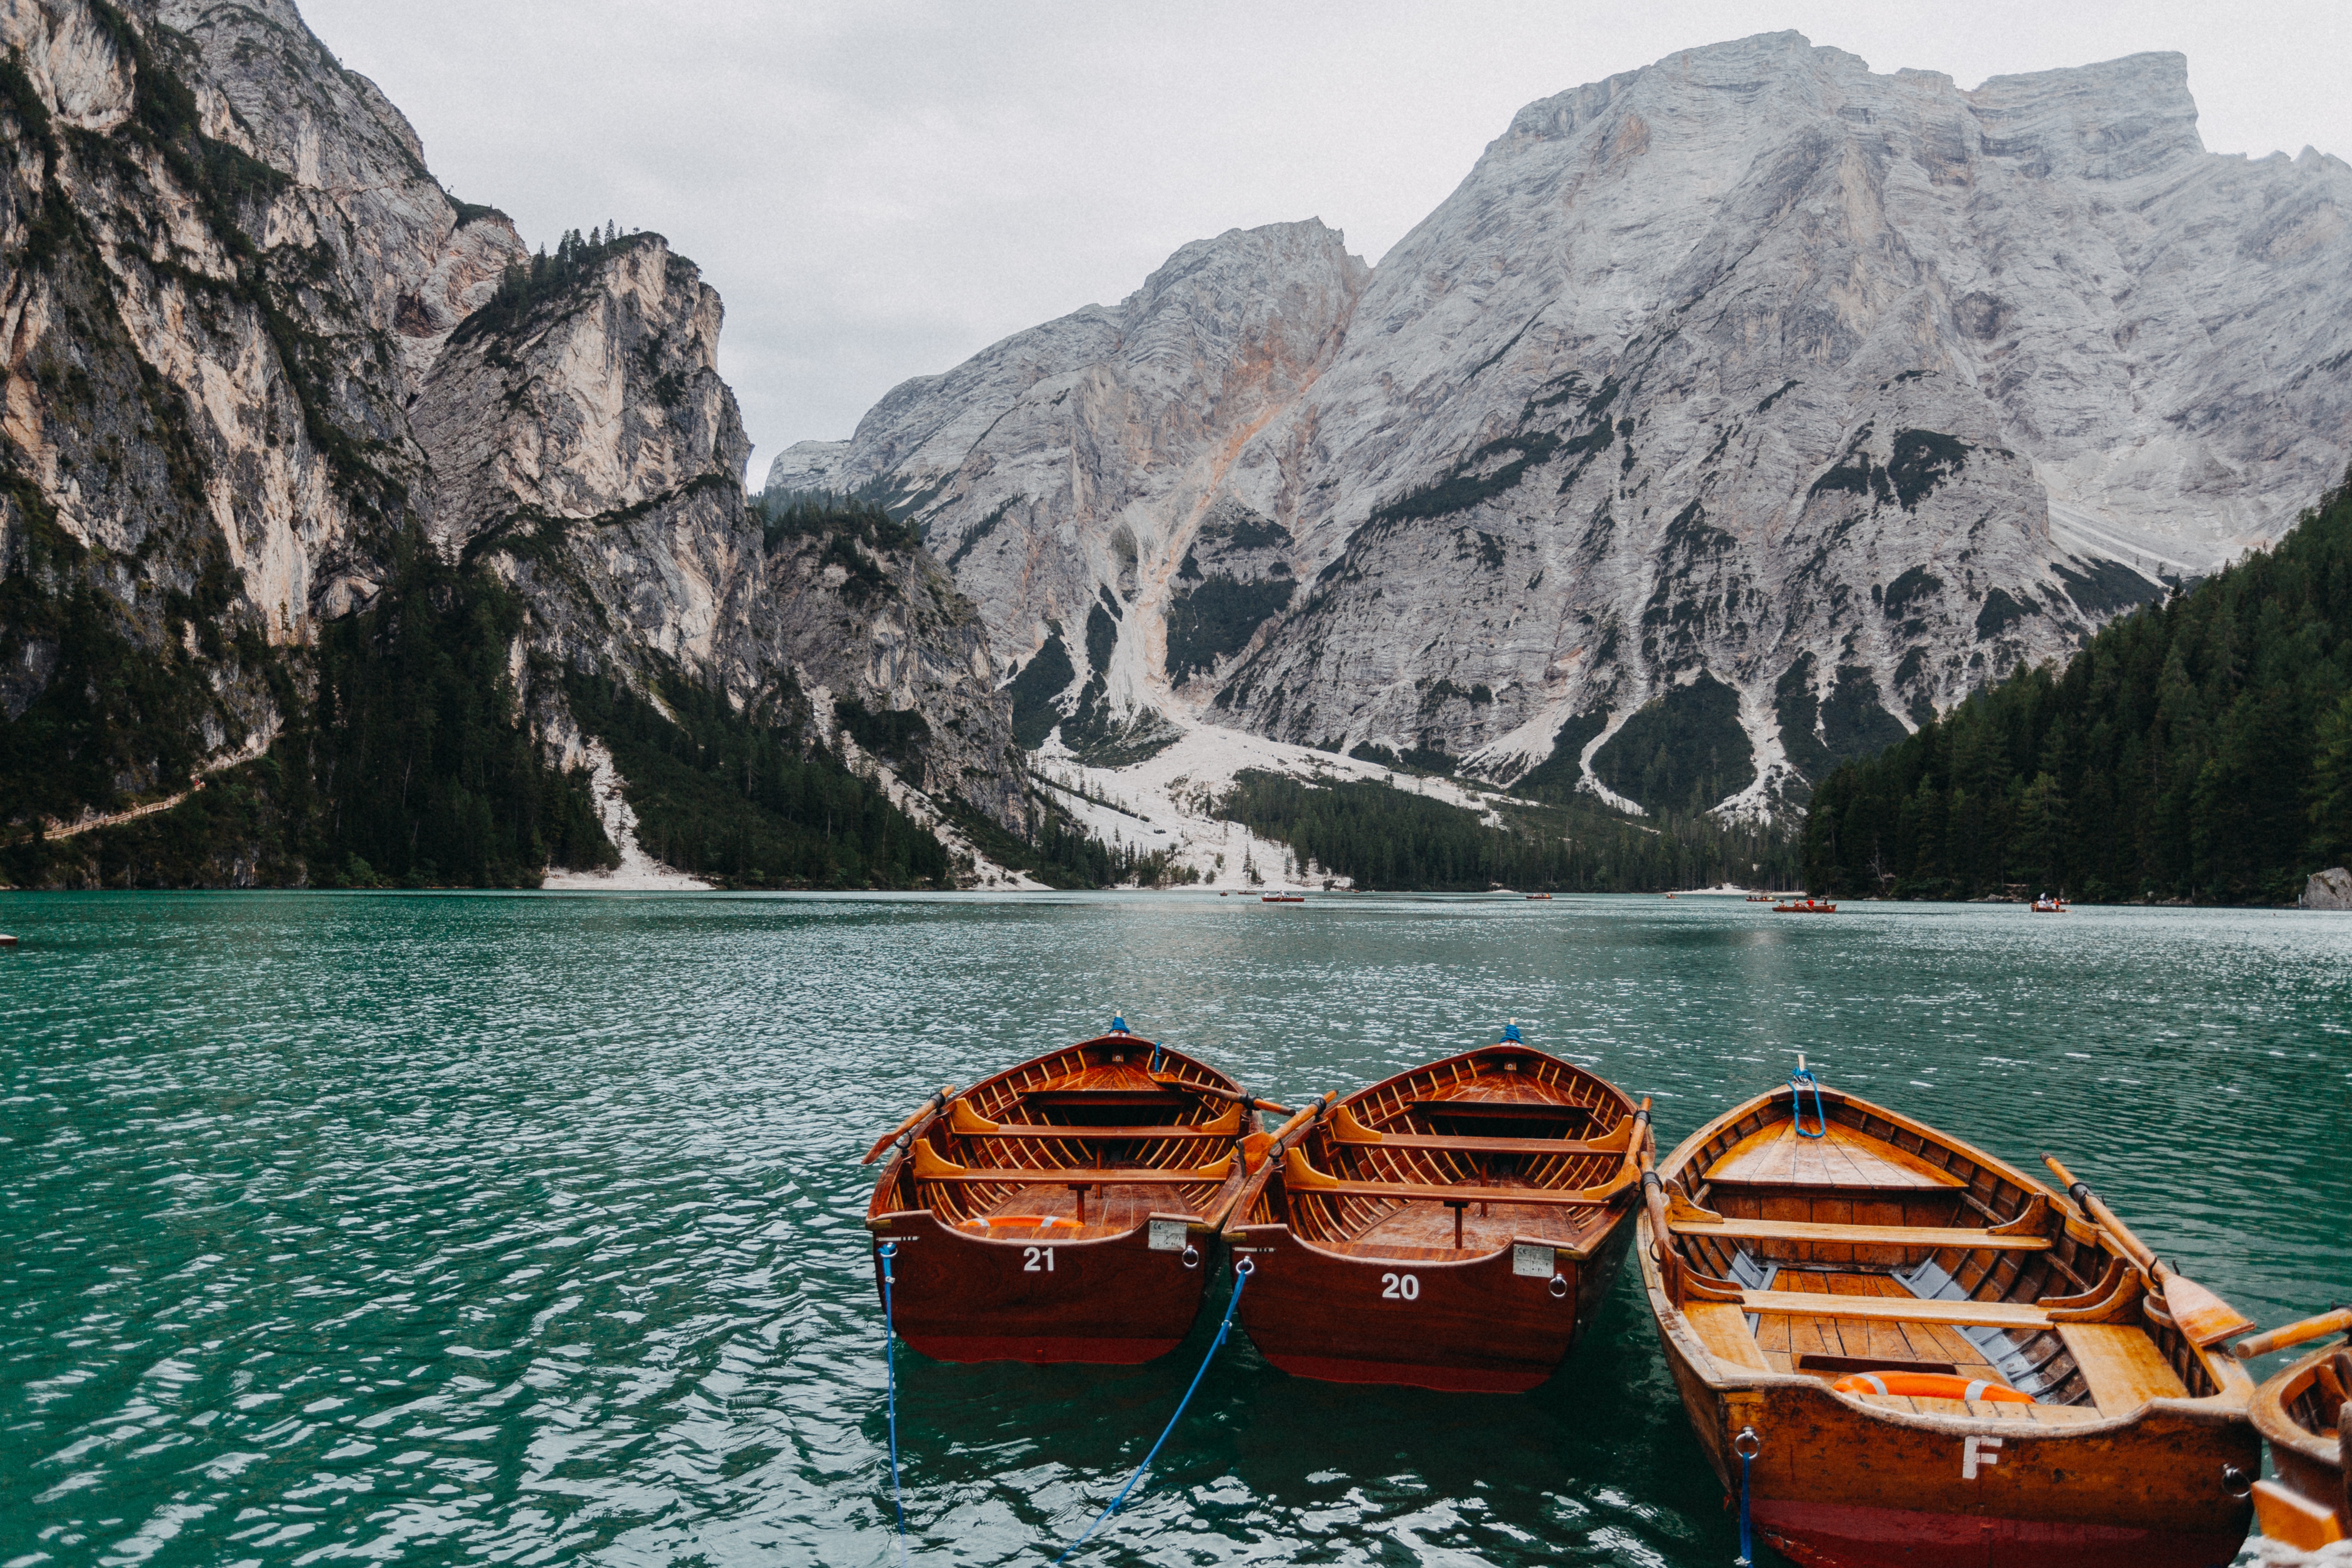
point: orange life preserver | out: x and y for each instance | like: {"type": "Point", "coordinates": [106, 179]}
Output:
{"type": "Point", "coordinates": [1041, 1222]}
{"type": "Point", "coordinates": [1929, 1385]}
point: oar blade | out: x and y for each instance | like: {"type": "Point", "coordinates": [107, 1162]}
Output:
{"type": "Point", "coordinates": [2204, 1317]}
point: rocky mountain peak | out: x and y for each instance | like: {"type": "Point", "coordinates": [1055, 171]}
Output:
{"type": "Point", "coordinates": [1752, 373]}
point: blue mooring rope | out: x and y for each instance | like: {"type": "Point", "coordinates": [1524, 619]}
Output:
{"type": "Point", "coordinates": [890, 1374]}
{"type": "Point", "coordinates": [1242, 1271]}
{"type": "Point", "coordinates": [1799, 1081]}
{"type": "Point", "coordinates": [1747, 1458]}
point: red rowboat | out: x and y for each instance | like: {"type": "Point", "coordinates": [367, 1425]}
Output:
{"type": "Point", "coordinates": [1454, 1227]}
{"type": "Point", "coordinates": [1806, 907]}
{"type": "Point", "coordinates": [1784, 1257]}
{"type": "Point", "coordinates": [1063, 1210]}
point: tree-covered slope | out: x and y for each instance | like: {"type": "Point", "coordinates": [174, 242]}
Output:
{"type": "Point", "coordinates": [2198, 750]}
{"type": "Point", "coordinates": [1387, 839]}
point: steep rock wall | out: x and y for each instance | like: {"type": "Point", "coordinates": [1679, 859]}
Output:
{"type": "Point", "coordinates": [250, 344]}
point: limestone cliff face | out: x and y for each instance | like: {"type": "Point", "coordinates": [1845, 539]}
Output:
{"type": "Point", "coordinates": [583, 445]}
{"type": "Point", "coordinates": [1775, 398]}
{"type": "Point", "coordinates": [220, 246]}
{"type": "Point", "coordinates": [250, 342]}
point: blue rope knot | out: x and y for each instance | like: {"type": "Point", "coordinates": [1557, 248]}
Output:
{"type": "Point", "coordinates": [1242, 1271]}
{"type": "Point", "coordinates": [1799, 1081]}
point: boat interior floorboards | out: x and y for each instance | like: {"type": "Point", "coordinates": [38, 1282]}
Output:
{"type": "Point", "coordinates": [1110, 1211]}
{"type": "Point", "coordinates": [1423, 1231]}
{"type": "Point", "coordinates": [1783, 1338]}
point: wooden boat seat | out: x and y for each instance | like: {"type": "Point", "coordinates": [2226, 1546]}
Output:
{"type": "Point", "coordinates": [964, 1120]}
{"type": "Point", "coordinates": [1776, 1156]}
{"type": "Point", "coordinates": [931, 1166]}
{"type": "Point", "coordinates": [1305, 1178]}
{"type": "Point", "coordinates": [1722, 1328]}
{"type": "Point", "coordinates": [1856, 1234]}
{"type": "Point", "coordinates": [1897, 1309]}
{"type": "Point", "coordinates": [1347, 1129]}
{"type": "Point", "coordinates": [2122, 1366]}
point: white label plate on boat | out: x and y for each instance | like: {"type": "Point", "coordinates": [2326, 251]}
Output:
{"type": "Point", "coordinates": [1168, 1234]}
{"type": "Point", "coordinates": [1535, 1262]}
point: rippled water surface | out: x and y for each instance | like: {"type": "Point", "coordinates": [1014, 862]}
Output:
{"type": "Point", "coordinates": [455, 1229]}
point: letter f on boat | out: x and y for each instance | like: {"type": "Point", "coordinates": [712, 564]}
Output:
{"type": "Point", "coordinates": [1975, 1451]}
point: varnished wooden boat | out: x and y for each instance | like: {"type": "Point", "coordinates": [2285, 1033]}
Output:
{"type": "Point", "coordinates": [1452, 1227]}
{"type": "Point", "coordinates": [1779, 1264]}
{"type": "Point", "coordinates": [2305, 1414]}
{"type": "Point", "coordinates": [1063, 1210]}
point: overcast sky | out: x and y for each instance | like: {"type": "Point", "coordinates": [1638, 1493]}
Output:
{"type": "Point", "coordinates": [878, 188]}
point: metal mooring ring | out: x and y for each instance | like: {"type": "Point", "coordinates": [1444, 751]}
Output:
{"type": "Point", "coordinates": [1559, 1288]}
{"type": "Point", "coordinates": [2236, 1482]}
{"type": "Point", "coordinates": [1748, 1444]}
{"type": "Point", "coordinates": [1192, 1255]}
{"type": "Point", "coordinates": [889, 1249]}
{"type": "Point", "coordinates": [1245, 1266]}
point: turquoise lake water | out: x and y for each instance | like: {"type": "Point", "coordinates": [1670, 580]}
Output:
{"type": "Point", "coordinates": [526, 1228]}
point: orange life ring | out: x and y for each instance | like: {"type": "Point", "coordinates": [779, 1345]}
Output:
{"type": "Point", "coordinates": [1929, 1385]}
{"type": "Point", "coordinates": [1041, 1222]}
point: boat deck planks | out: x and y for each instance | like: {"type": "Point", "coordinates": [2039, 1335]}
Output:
{"type": "Point", "coordinates": [1778, 1156]}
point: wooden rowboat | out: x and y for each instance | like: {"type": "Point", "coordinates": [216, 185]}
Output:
{"type": "Point", "coordinates": [2306, 1412]}
{"type": "Point", "coordinates": [1063, 1210]}
{"type": "Point", "coordinates": [1452, 1227]}
{"type": "Point", "coordinates": [1779, 1264]}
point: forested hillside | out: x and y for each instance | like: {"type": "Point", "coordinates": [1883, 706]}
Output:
{"type": "Point", "coordinates": [2198, 750]}
{"type": "Point", "coordinates": [1389, 838]}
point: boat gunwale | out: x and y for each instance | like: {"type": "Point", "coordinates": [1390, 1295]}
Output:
{"type": "Point", "coordinates": [2229, 1405]}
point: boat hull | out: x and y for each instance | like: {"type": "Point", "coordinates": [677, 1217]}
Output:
{"type": "Point", "coordinates": [1833, 1486]}
{"type": "Point", "coordinates": [1112, 1301]}
{"type": "Point", "coordinates": [1473, 1327]}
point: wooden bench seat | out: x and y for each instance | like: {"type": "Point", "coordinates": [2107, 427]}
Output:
{"type": "Point", "coordinates": [931, 1166]}
{"type": "Point", "coordinates": [1347, 1129]}
{"type": "Point", "coordinates": [965, 1122]}
{"type": "Point", "coordinates": [2122, 1366]}
{"type": "Point", "coordinates": [1897, 1309]}
{"type": "Point", "coordinates": [1302, 1177]}
{"type": "Point", "coordinates": [1729, 1229]}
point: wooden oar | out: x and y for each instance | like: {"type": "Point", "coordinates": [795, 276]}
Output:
{"type": "Point", "coordinates": [1259, 1151]}
{"type": "Point", "coordinates": [1171, 1080]}
{"type": "Point", "coordinates": [913, 1124]}
{"type": "Point", "coordinates": [2309, 1328]}
{"type": "Point", "coordinates": [2204, 1317]}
